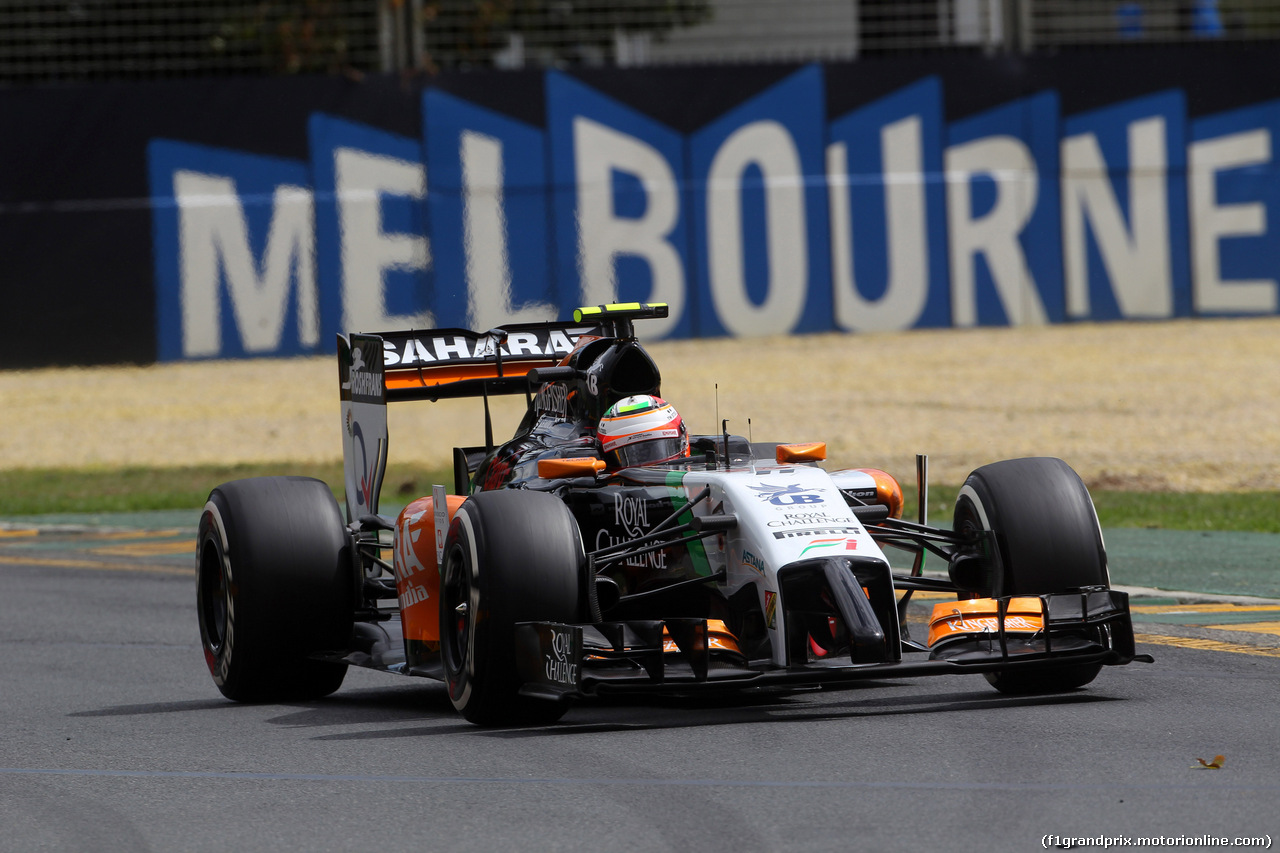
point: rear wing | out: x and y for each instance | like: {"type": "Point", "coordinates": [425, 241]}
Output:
{"type": "Point", "coordinates": [449, 363]}
{"type": "Point", "coordinates": [436, 364]}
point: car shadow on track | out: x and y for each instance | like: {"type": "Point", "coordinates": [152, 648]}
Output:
{"type": "Point", "coordinates": [350, 707]}
{"type": "Point", "coordinates": [427, 706]}
{"type": "Point", "coordinates": [422, 703]}
{"type": "Point", "coordinates": [634, 716]}
{"type": "Point", "coordinates": [155, 708]}
{"type": "Point", "coordinates": [615, 714]}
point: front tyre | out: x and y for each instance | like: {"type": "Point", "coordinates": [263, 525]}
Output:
{"type": "Point", "coordinates": [1058, 679]}
{"type": "Point", "coordinates": [273, 586]}
{"type": "Point", "coordinates": [1045, 539]}
{"type": "Point", "coordinates": [510, 556]}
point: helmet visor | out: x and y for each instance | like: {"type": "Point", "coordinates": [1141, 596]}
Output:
{"type": "Point", "coordinates": [649, 452]}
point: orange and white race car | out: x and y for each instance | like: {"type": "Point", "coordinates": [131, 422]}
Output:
{"type": "Point", "coordinates": [602, 549]}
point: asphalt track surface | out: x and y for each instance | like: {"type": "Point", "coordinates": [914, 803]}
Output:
{"type": "Point", "coordinates": [116, 739]}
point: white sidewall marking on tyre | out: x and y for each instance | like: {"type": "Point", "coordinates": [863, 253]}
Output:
{"type": "Point", "coordinates": [229, 627]}
{"type": "Point", "coordinates": [967, 491]}
{"type": "Point", "coordinates": [1102, 540]}
{"type": "Point", "coordinates": [212, 508]}
{"type": "Point", "coordinates": [470, 666]}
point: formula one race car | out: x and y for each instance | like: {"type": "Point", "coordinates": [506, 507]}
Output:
{"type": "Point", "coordinates": [603, 550]}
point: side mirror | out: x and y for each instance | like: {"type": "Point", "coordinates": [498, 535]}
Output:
{"type": "Point", "coordinates": [813, 452]}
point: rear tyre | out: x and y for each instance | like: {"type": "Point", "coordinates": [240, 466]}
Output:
{"type": "Point", "coordinates": [510, 556]}
{"type": "Point", "coordinates": [1046, 540]}
{"type": "Point", "coordinates": [274, 585]}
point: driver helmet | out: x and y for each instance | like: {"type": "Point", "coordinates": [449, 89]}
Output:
{"type": "Point", "coordinates": [642, 430]}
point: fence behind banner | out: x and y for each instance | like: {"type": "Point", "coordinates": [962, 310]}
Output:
{"type": "Point", "coordinates": [55, 40]}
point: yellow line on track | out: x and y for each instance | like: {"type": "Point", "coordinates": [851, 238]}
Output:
{"type": "Point", "coordinates": [1207, 645]}
{"type": "Point", "coordinates": [1255, 627]}
{"type": "Point", "coordinates": [139, 534]}
{"type": "Point", "coordinates": [97, 565]}
{"type": "Point", "coordinates": [1201, 608]}
{"type": "Point", "coordinates": [143, 549]}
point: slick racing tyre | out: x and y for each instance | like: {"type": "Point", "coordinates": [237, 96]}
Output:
{"type": "Point", "coordinates": [274, 585]}
{"type": "Point", "coordinates": [510, 556]}
{"type": "Point", "coordinates": [1046, 540]}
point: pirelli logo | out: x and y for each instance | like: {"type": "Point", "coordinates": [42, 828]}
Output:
{"type": "Point", "coordinates": [816, 531]}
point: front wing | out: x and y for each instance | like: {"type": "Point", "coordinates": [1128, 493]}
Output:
{"type": "Point", "coordinates": [560, 662]}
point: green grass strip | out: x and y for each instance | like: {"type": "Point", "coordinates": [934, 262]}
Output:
{"type": "Point", "coordinates": [43, 491]}
{"type": "Point", "coordinates": [1243, 512]}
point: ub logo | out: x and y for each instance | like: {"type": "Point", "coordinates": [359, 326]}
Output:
{"type": "Point", "coordinates": [793, 495]}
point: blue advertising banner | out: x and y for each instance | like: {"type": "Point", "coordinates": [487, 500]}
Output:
{"type": "Point", "coordinates": [880, 195]}
{"type": "Point", "coordinates": [619, 210]}
{"type": "Point", "coordinates": [372, 249]}
{"type": "Point", "coordinates": [234, 253]}
{"type": "Point", "coordinates": [768, 219]}
{"type": "Point", "coordinates": [1234, 192]}
{"type": "Point", "coordinates": [760, 214]}
{"type": "Point", "coordinates": [1124, 210]}
{"type": "Point", "coordinates": [489, 207]}
{"type": "Point", "coordinates": [888, 197]}
{"type": "Point", "coordinates": [1003, 215]}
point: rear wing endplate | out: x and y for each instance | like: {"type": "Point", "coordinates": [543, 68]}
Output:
{"type": "Point", "coordinates": [362, 390]}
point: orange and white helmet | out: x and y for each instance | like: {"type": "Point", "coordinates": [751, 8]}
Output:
{"type": "Point", "coordinates": [642, 430]}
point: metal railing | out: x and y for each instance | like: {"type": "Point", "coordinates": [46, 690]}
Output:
{"type": "Point", "coordinates": [68, 40]}
{"type": "Point", "coordinates": [1071, 23]}
{"type": "Point", "coordinates": [57, 40]}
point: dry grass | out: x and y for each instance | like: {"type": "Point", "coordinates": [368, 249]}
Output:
{"type": "Point", "coordinates": [1180, 406]}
